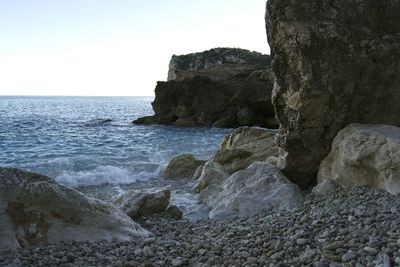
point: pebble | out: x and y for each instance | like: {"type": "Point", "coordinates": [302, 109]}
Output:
{"type": "Point", "coordinates": [149, 240]}
{"type": "Point", "coordinates": [371, 251]}
{"type": "Point", "coordinates": [317, 233]}
{"type": "Point", "coordinates": [348, 256]}
{"type": "Point", "coordinates": [177, 262]}
{"type": "Point", "coordinates": [302, 241]}
{"type": "Point", "coordinates": [335, 245]}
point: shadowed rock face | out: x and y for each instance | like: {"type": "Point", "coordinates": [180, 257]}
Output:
{"type": "Point", "coordinates": [335, 63]}
{"type": "Point", "coordinates": [221, 87]}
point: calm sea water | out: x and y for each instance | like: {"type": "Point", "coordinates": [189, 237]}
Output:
{"type": "Point", "coordinates": [73, 140]}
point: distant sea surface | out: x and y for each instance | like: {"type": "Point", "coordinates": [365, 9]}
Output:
{"type": "Point", "coordinates": [91, 141]}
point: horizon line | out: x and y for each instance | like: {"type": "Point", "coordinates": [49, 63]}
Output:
{"type": "Point", "coordinates": [79, 95]}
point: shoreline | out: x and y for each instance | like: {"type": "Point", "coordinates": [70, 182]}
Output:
{"type": "Point", "coordinates": [348, 225]}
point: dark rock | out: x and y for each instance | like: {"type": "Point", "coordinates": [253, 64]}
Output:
{"type": "Point", "coordinates": [335, 63]}
{"type": "Point", "coordinates": [174, 212]}
{"type": "Point", "coordinates": [221, 87]}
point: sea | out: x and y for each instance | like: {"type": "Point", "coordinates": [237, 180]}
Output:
{"type": "Point", "coordinates": [91, 141]}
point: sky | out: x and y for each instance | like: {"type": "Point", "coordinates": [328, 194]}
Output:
{"type": "Point", "coordinates": [114, 47]}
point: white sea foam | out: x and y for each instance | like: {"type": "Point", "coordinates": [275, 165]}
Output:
{"type": "Point", "coordinates": [103, 175]}
{"type": "Point", "coordinates": [69, 139]}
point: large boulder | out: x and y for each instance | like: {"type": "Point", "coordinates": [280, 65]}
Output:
{"type": "Point", "coordinates": [138, 203]}
{"type": "Point", "coordinates": [364, 155]}
{"type": "Point", "coordinates": [222, 87]}
{"type": "Point", "coordinates": [212, 173]}
{"type": "Point", "coordinates": [245, 145]}
{"type": "Point", "coordinates": [258, 188]}
{"type": "Point", "coordinates": [35, 211]}
{"type": "Point", "coordinates": [184, 165]}
{"type": "Point", "coordinates": [335, 63]}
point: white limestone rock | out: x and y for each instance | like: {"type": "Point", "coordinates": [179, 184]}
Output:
{"type": "Point", "coordinates": [35, 210]}
{"type": "Point", "coordinates": [212, 173]}
{"type": "Point", "coordinates": [244, 146]}
{"type": "Point", "coordinates": [260, 187]}
{"type": "Point", "coordinates": [364, 155]}
{"type": "Point", "coordinates": [138, 203]}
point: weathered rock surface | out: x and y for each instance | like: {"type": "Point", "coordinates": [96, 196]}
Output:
{"type": "Point", "coordinates": [187, 66]}
{"type": "Point", "coordinates": [222, 87]}
{"type": "Point", "coordinates": [244, 146]}
{"type": "Point", "coordinates": [212, 173]}
{"type": "Point", "coordinates": [245, 193]}
{"type": "Point", "coordinates": [364, 155]}
{"type": "Point", "coordinates": [138, 203]}
{"type": "Point", "coordinates": [335, 63]}
{"type": "Point", "coordinates": [35, 211]}
{"type": "Point", "coordinates": [240, 148]}
{"type": "Point", "coordinates": [182, 166]}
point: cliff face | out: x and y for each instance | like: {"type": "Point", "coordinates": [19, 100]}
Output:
{"type": "Point", "coordinates": [335, 62]}
{"type": "Point", "coordinates": [217, 60]}
{"type": "Point", "coordinates": [221, 87]}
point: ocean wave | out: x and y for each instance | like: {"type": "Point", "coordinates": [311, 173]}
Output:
{"type": "Point", "coordinates": [102, 175]}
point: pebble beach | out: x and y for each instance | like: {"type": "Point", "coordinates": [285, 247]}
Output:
{"type": "Point", "coordinates": [346, 227]}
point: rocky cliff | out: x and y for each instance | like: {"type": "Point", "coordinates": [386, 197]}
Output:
{"type": "Point", "coordinates": [185, 66]}
{"type": "Point", "coordinates": [222, 87]}
{"type": "Point", "coordinates": [335, 63]}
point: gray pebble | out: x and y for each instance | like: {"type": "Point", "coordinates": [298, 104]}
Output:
{"type": "Point", "coordinates": [302, 241]}
{"type": "Point", "coordinates": [348, 256]}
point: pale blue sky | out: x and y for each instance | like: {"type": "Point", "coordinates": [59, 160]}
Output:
{"type": "Point", "coordinates": [114, 47]}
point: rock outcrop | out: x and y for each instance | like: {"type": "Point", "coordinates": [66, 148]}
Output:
{"type": "Point", "coordinates": [197, 64]}
{"type": "Point", "coordinates": [244, 146]}
{"type": "Point", "coordinates": [335, 63]}
{"type": "Point", "coordinates": [364, 155]}
{"type": "Point", "coordinates": [239, 181]}
{"type": "Point", "coordinates": [222, 87]}
{"type": "Point", "coordinates": [182, 166]}
{"type": "Point", "coordinates": [239, 149]}
{"type": "Point", "coordinates": [35, 211]}
{"type": "Point", "coordinates": [260, 187]}
{"type": "Point", "coordinates": [138, 203]}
